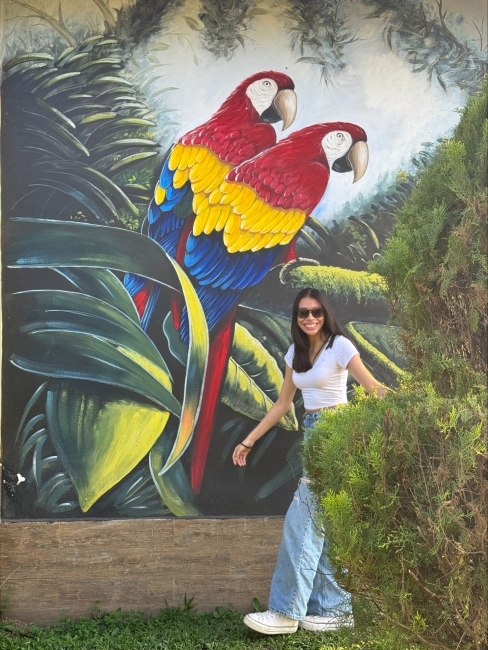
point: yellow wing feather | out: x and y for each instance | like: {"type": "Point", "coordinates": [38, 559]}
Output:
{"type": "Point", "coordinates": [209, 183]}
{"type": "Point", "coordinates": [215, 197]}
{"type": "Point", "coordinates": [202, 206]}
{"type": "Point", "coordinates": [267, 220]}
{"type": "Point", "coordinates": [224, 215]}
{"type": "Point", "coordinates": [159, 194]}
{"type": "Point", "coordinates": [243, 202]}
{"type": "Point", "coordinates": [184, 160]}
{"type": "Point", "coordinates": [247, 222]}
{"type": "Point", "coordinates": [175, 156]}
{"type": "Point", "coordinates": [212, 217]}
{"type": "Point", "coordinates": [180, 178]}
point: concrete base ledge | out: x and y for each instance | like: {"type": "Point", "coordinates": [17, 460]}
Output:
{"type": "Point", "coordinates": [66, 568]}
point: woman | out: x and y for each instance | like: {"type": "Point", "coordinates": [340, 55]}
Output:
{"type": "Point", "coordinates": [303, 591]}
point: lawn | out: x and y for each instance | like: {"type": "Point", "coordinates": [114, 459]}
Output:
{"type": "Point", "coordinates": [180, 629]}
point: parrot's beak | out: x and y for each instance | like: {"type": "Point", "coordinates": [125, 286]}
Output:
{"type": "Point", "coordinates": [286, 104]}
{"type": "Point", "coordinates": [358, 157]}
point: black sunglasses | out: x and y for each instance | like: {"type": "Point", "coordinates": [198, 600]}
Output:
{"type": "Point", "coordinates": [317, 312]}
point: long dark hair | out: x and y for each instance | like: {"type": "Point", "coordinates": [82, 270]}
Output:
{"type": "Point", "coordinates": [331, 328]}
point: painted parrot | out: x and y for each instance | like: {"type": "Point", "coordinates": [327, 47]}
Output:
{"type": "Point", "coordinates": [197, 164]}
{"type": "Point", "coordinates": [249, 224]}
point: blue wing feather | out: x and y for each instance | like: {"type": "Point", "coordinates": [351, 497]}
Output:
{"type": "Point", "coordinates": [221, 276]}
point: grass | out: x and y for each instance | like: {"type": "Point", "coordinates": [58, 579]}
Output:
{"type": "Point", "coordinates": [180, 629]}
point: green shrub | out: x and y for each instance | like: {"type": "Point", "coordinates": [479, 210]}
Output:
{"type": "Point", "coordinates": [435, 264]}
{"type": "Point", "coordinates": [405, 507]}
{"type": "Point", "coordinates": [403, 482]}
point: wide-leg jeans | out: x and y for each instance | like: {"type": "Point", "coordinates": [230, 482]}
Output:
{"type": "Point", "coordinates": [302, 581]}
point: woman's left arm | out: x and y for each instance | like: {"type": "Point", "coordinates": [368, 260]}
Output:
{"type": "Point", "coordinates": [362, 375]}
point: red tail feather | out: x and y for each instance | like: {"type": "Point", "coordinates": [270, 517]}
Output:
{"type": "Point", "coordinates": [216, 369]}
{"type": "Point", "coordinates": [141, 298]}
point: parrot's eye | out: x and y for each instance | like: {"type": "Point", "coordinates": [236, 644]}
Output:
{"type": "Point", "coordinates": [340, 136]}
{"type": "Point", "coordinates": [267, 84]}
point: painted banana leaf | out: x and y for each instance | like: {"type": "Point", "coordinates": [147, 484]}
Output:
{"type": "Point", "coordinates": [253, 380]}
{"type": "Point", "coordinates": [110, 396]}
{"type": "Point", "coordinates": [41, 243]}
{"type": "Point", "coordinates": [99, 437]}
{"type": "Point", "coordinates": [271, 330]}
{"type": "Point", "coordinates": [104, 285]}
{"type": "Point", "coordinates": [381, 343]}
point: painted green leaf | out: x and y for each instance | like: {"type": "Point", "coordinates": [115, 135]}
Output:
{"type": "Point", "coordinates": [104, 285]}
{"type": "Point", "coordinates": [66, 311]}
{"type": "Point", "coordinates": [271, 330]}
{"type": "Point", "coordinates": [368, 230]}
{"type": "Point", "coordinates": [102, 181]}
{"type": "Point", "coordinates": [58, 79]}
{"type": "Point", "coordinates": [381, 342]}
{"type": "Point", "coordinates": [253, 358]}
{"type": "Point", "coordinates": [107, 61]}
{"type": "Point", "coordinates": [98, 436]}
{"type": "Point", "coordinates": [66, 138]}
{"type": "Point", "coordinates": [89, 204]}
{"type": "Point", "coordinates": [82, 190]}
{"type": "Point", "coordinates": [38, 243]}
{"type": "Point", "coordinates": [84, 356]}
{"type": "Point", "coordinates": [136, 157]}
{"type": "Point", "coordinates": [118, 81]}
{"type": "Point", "coordinates": [123, 143]}
{"type": "Point", "coordinates": [243, 395]}
{"type": "Point", "coordinates": [27, 58]}
{"type": "Point", "coordinates": [96, 117]}
{"type": "Point", "coordinates": [54, 113]}
{"type": "Point", "coordinates": [136, 495]}
{"type": "Point", "coordinates": [195, 369]}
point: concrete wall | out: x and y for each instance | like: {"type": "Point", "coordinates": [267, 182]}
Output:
{"type": "Point", "coordinates": [69, 567]}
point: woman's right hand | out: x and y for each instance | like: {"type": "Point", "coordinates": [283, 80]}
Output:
{"type": "Point", "coordinates": [240, 453]}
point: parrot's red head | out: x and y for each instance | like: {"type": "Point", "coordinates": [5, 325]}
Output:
{"type": "Point", "coordinates": [341, 146]}
{"type": "Point", "coordinates": [264, 97]}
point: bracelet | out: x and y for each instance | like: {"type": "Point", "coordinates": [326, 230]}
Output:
{"type": "Point", "coordinates": [246, 446]}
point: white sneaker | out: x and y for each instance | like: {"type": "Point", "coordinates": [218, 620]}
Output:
{"type": "Point", "coordinates": [271, 623]}
{"type": "Point", "coordinates": [325, 623]}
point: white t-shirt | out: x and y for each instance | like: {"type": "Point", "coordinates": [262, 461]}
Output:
{"type": "Point", "coordinates": [325, 384]}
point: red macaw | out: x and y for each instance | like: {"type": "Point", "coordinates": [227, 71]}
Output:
{"type": "Point", "coordinates": [249, 223]}
{"type": "Point", "coordinates": [198, 163]}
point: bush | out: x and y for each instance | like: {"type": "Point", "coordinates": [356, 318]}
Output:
{"type": "Point", "coordinates": [435, 264]}
{"type": "Point", "coordinates": [403, 481]}
{"type": "Point", "coordinates": [405, 507]}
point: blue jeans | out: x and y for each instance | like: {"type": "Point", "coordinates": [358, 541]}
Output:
{"type": "Point", "coordinates": [302, 581]}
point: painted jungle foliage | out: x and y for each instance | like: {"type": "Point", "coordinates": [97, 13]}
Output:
{"type": "Point", "coordinates": [172, 172]}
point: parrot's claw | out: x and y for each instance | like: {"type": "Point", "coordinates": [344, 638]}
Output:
{"type": "Point", "coordinates": [301, 261]}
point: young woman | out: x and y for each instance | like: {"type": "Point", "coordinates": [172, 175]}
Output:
{"type": "Point", "coordinates": [303, 591]}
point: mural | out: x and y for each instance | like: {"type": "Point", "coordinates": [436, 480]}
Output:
{"type": "Point", "coordinates": [172, 172]}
